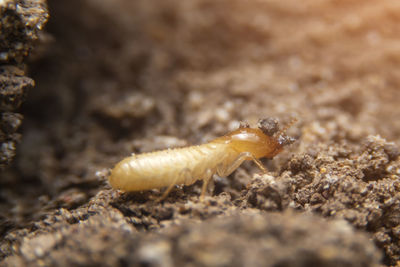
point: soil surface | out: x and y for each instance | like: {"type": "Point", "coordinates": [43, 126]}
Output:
{"type": "Point", "coordinates": [120, 77]}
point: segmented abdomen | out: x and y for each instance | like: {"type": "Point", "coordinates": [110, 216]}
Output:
{"type": "Point", "coordinates": [162, 168]}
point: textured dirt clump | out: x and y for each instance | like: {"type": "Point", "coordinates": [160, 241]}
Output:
{"type": "Point", "coordinates": [359, 185]}
{"type": "Point", "coordinates": [13, 91]}
{"type": "Point", "coordinates": [126, 77]}
{"type": "Point", "coordinates": [20, 26]}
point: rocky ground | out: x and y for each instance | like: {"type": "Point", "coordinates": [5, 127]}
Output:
{"type": "Point", "coordinates": [116, 77]}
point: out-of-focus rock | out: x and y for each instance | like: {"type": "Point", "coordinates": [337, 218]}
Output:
{"type": "Point", "coordinates": [241, 239]}
{"type": "Point", "coordinates": [21, 23]}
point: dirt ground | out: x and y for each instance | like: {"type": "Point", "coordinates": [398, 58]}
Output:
{"type": "Point", "coordinates": [120, 77]}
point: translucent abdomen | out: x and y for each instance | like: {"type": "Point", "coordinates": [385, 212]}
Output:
{"type": "Point", "coordinates": [173, 166]}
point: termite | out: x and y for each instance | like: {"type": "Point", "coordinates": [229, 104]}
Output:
{"type": "Point", "coordinates": [186, 165]}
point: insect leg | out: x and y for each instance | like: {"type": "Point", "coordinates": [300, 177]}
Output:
{"type": "Point", "coordinates": [207, 179]}
{"type": "Point", "coordinates": [226, 169]}
{"type": "Point", "coordinates": [184, 175]}
{"type": "Point", "coordinates": [259, 164]}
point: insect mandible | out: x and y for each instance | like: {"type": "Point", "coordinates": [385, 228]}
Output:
{"type": "Point", "coordinates": [170, 167]}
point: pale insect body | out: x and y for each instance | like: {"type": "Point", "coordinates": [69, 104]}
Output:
{"type": "Point", "coordinates": [173, 166]}
{"type": "Point", "coordinates": [186, 165]}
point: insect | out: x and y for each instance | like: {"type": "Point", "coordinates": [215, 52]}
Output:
{"type": "Point", "coordinates": [186, 165]}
